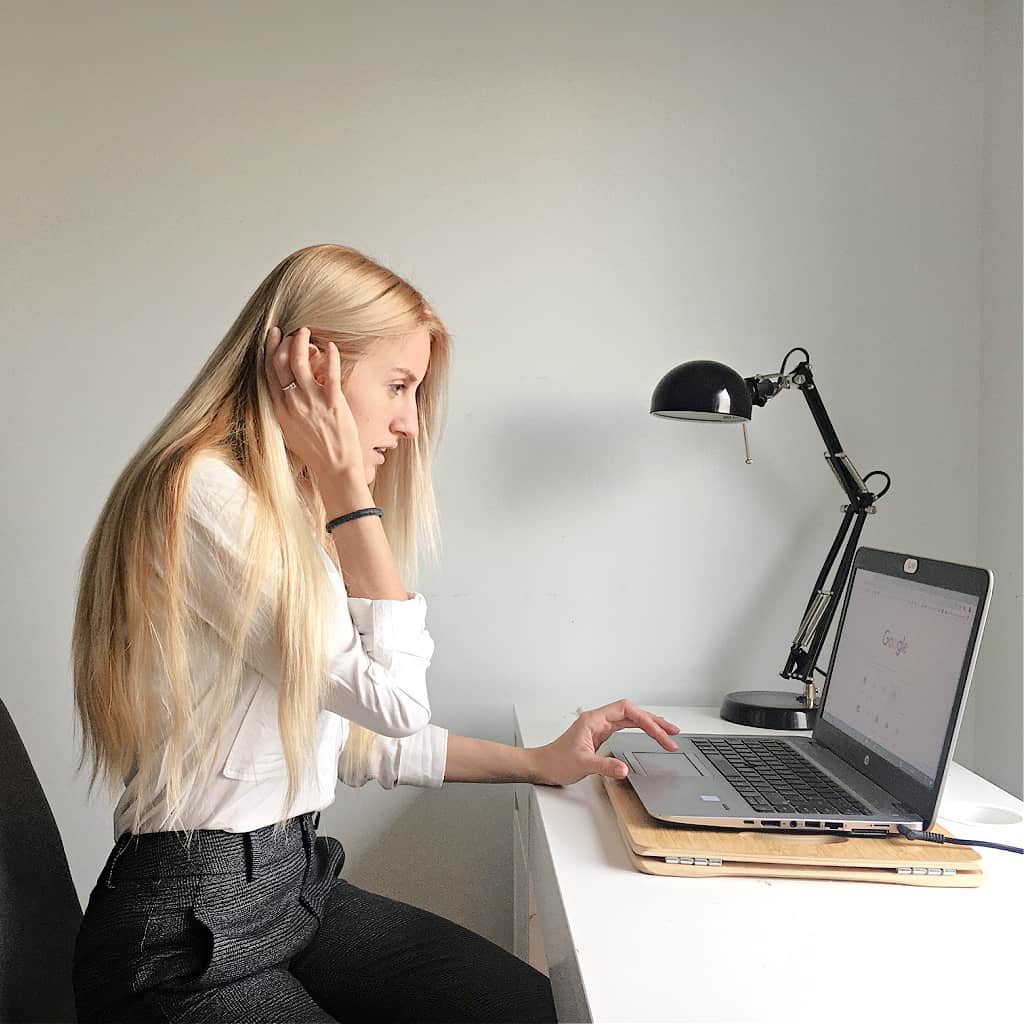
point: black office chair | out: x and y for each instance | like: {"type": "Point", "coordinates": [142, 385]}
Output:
{"type": "Point", "coordinates": [39, 909]}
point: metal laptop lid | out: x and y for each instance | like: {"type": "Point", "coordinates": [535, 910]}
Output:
{"type": "Point", "coordinates": [900, 670]}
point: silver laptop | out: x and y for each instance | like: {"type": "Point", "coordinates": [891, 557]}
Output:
{"type": "Point", "coordinates": [891, 707]}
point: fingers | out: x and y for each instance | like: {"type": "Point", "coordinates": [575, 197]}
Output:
{"type": "Point", "coordinates": [612, 768]}
{"type": "Point", "coordinates": [603, 764]}
{"type": "Point", "coordinates": [288, 359]}
{"type": "Point", "coordinates": [332, 379]}
{"type": "Point", "coordinates": [625, 715]}
{"type": "Point", "coordinates": [274, 384]}
{"type": "Point", "coordinates": [273, 341]}
{"type": "Point", "coordinates": [298, 358]}
{"type": "Point", "coordinates": [277, 360]}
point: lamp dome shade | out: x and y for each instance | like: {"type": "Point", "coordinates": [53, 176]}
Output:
{"type": "Point", "coordinates": [702, 390]}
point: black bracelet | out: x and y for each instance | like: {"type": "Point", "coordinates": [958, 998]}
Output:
{"type": "Point", "coordinates": [354, 515]}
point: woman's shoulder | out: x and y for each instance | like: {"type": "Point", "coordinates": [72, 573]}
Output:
{"type": "Point", "coordinates": [212, 466]}
{"type": "Point", "coordinates": [214, 482]}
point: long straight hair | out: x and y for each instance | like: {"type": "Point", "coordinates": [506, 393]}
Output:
{"type": "Point", "coordinates": [133, 689]}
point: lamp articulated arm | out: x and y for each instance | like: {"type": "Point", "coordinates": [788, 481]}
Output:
{"type": "Point", "coordinates": [824, 600]}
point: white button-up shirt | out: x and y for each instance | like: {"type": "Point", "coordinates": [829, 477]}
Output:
{"type": "Point", "coordinates": [380, 653]}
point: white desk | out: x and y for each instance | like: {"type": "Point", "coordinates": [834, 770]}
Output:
{"type": "Point", "coordinates": [621, 945]}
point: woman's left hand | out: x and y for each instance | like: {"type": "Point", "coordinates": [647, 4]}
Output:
{"type": "Point", "coordinates": [573, 756]}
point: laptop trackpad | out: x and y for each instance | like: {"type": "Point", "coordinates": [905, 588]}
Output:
{"type": "Point", "coordinates": [655, 763]}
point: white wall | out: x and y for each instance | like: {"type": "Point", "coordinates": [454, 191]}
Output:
{"type": "Point", "coordinates": [998, 700]}
{"type": "Point", "coordinates": [589, 193]}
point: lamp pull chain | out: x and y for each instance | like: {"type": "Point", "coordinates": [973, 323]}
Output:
{"type": "Point", "coordinates": [746, 443]}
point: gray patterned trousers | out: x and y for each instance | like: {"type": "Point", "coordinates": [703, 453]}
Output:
{"type": "Point", "coordinates": [246, 927]}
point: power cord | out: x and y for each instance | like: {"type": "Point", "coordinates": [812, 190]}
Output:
{"type": "Point", "coordinates": [938, 837]}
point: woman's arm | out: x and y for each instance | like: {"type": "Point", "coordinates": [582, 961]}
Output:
{"type": "Point", "coordinates": [368, 566]}
{"type": "Point", "coordinates": [318, 427]}
{"type": "Point", "coordinates": [571, 757]}
{"type": "Point", "coordinates": [472, 760]}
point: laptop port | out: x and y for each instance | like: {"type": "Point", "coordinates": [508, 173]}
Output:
{"type": "Point", "coordinates": [776, 824]}
{"type": "Point", "coordinates": [746, 822]}
{"type": "Point", "coordinates": [812, 824]}
{"type": "Point", "coordinates": [833, 824]}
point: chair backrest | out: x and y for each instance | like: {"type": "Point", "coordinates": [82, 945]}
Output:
{"type": "Point", "coordinates": [39, 909]}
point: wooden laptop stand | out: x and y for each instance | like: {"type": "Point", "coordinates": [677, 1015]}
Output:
{"type": "Point", "coordinates": [661, 848]}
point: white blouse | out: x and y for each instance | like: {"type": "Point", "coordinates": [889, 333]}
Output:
{"type": "Point", "coordinates": [381, 652]}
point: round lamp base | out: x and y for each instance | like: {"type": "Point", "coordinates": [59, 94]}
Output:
{"type": "Point", "coordinates": [768, 709]}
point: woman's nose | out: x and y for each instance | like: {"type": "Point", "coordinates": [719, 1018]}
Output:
{"type": "Point", "coordinates": [407, 424]}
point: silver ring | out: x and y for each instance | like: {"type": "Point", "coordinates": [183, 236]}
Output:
{"type": "Point", "coordinates": [288, 387]}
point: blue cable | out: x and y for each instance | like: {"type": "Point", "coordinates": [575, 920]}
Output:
{"type": "Point", "coordinates": [938, 837]}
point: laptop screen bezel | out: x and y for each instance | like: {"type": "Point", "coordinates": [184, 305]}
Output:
{"type": "Point", "coordinates": [919, 797]}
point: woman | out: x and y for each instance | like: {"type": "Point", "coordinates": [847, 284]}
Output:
{"type": "Point", "coordinates": [243, 638]}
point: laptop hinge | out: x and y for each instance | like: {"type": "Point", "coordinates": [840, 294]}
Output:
{"type": "Point", "coordinates": [707, 862]}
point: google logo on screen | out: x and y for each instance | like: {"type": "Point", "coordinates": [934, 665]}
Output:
{"type": "Point", "coordinates": [899, 646]}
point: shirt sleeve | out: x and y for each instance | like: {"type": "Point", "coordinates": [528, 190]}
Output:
{"type": "Point", "coordinates": [380, 649]}
{"type": "Point", "coordinates": [417, 760]}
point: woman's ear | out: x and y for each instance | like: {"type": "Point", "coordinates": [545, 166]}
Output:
{"type": "Point", "coordinates": [318, 363]}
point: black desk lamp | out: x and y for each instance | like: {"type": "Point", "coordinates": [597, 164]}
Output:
{"type": "Point", "coordinates": [706, 390]}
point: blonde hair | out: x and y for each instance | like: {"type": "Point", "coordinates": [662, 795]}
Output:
{"type": "Point", "coordinates": [133, 689]}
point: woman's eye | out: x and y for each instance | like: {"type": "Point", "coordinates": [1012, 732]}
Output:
{"type": "Point", "coordinates": [393, 386]}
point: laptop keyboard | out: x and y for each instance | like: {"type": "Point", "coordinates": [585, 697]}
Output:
{"type": "Point", "coordinates": [774, 778]}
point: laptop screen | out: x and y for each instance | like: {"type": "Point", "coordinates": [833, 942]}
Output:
{"type": "Point", "coordinates": [897, 667]}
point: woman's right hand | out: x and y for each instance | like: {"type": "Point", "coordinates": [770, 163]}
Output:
{"type": "Point", "coordinates": [315, 417]}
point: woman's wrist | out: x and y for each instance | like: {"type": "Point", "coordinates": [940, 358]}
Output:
{"type": "Point", "coordinates": [367, 565]}
{"type": "Point", "coordinates": [342, 491]}
{"type": "Point", "coordinates": [537, 766]}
